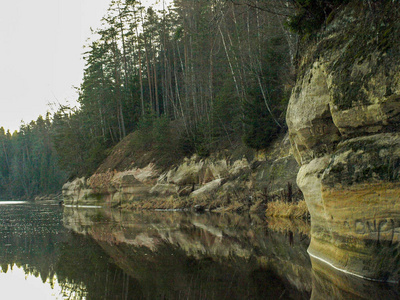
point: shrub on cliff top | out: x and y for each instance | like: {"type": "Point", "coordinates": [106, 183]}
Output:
{"type": "Point", "coordinates": [159, 138]}
{"type": "Point", "coordinates": [312, 14]}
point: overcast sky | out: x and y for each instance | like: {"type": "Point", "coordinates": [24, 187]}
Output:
{"type": "Point", "coordinates": [41, 46]}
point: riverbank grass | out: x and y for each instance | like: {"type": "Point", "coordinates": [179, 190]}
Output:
{"type": "Point", "coordinates": [290, 210]}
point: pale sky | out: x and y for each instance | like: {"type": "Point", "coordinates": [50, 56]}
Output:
{"type": "Point", "coordinates": [41, 46]}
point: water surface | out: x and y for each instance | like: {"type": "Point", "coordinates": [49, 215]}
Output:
{"type": "Point", "coordinates": [91, 253]}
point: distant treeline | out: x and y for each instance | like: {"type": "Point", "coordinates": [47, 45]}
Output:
{"type": "Point", "coordinates": [28, 161]}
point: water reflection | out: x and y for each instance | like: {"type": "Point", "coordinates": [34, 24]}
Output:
{"type": "Point", "coordinates": [211, 256]}
{"type": "Point", "coordinates": [329, 283]}
{"type": "Point", "coordinates": [20, 283]}
{"type": "Point", "coordinates": [82, 253]}
{"type": "Point", "coordinates": [208, 256]}
{"type": "Point", "coordinates": [12, 202]}
{"type": "Point", "coordinates": [61, 264]}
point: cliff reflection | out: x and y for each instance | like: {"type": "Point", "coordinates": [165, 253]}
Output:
{"type": "Point", "coordinates": [106, 254]}
{"type": "Point", "coordinates": [329, 283]}
{"type": "Point", "coordinates": [208, 256]}
{"type": "Point", "coordinates": [176, 255]}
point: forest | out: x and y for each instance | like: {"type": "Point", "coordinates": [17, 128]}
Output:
{"type": "Point", "coordinates": [195, 77]}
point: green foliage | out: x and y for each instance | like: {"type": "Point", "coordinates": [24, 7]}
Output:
{"type": "Point", "coordinates": [201, 140]}
{"type": "Point", "coordinates": [312, 14]}
{"type": "Point", "coordinates": [161, 133]}
{"type": "Point", "coordinates": [187, 82]}
{"type": "Point", "coordinates": [79, 150]}
{"type": "Point", "coordinates": [263, 110]}
{"type": "Point", "coordinates": [260, 127]}
{"type": "Point", "coordinates": [29, 162]}
{"type": "Point", "coordinates": [96, 153]}
{"type": "Point", "coordinates": [226, 114]}
{"type": "Point", "coordinates": [144, 139]}
{"type": "Point", "coordinates": [187, 144]}
{"type": "Point", "coordinates": [152, 134]}
{"type": "Point", "coordinates": [158, 136]}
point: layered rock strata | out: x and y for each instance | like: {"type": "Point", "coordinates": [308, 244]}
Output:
{"type": "Point", "coordinates": [194, 178]}
{"type": "Point", "coordinates": [344, 126]}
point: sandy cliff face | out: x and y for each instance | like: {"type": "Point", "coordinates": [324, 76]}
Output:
{"type": "Point", "coordinates": [195, 179]}
{"type": "Point", "coordinates": [344, 126]}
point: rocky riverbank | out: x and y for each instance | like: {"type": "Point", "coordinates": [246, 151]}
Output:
{"type": "Point", "coordinates": [245, 181]}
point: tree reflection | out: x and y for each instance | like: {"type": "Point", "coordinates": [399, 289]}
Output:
{"type": "Point", "coordinates": [186, 256]}
{"type": "Point", "coordinates": [108, 254]}
{"type": "Point", "coordinates": [83, 263]}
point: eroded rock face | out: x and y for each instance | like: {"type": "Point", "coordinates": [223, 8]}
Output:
{"type": "Point", "coordinates": [311, 128]}
{"type": "Point", "coordinates": [344, 126]}
{"type": "Point", "coordinates": [78, 191]}
{"type": "Point", "coordinates": [197, 178]}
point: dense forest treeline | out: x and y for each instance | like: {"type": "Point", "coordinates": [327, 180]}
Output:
{"type": "Point", "coordinates": [206, 74]}
{"type": "Point", "coordinates": [29, 162]}
{"type": "Point", "coordinates": [219, 70]}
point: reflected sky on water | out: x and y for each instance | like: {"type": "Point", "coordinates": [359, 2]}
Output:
{"type": "Point", "coordinates": [12, 202]}
{"type": "Point", "coordinates": [17, 283]}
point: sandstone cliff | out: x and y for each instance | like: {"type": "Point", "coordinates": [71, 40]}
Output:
{"type": "Point", "coordinates": [343, 119]}
{"type": "Point", "coordinates": [212, 182]}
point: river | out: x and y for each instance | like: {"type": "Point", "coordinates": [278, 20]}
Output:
{"type": "Point", "coordinates": [53, 252]}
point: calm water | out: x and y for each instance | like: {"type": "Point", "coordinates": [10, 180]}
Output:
{"type": "Point", "coordinates": [51, 252]}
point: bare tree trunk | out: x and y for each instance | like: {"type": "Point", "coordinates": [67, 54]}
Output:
{"type": "Point", "coordinates": [6, 155]}
{"type": "Point", "coordinates": [192, 83]}
{"type": "Point", "coordinates": [266, 101]}
{"type": "Point", "coordinates": [184, 71]}
{"type": "Point", "coordinates": [172, 74]}
{"type": "Point", "coordinates": [229, 62]}
{"type": "Point", "coordinates": [256, 65]}
{"type": "Point", "coordinates": [102, 118]}
{"type": "Point", "coordinates": [121, 121]}
{"type": "Point", "coordinates": [242, 74]}
{"type": "Point", "coordinates": [156, 85]}
{"type": "Point", "coordinates": [141, 80]}
{"type": "Point", "coordinates": [148, 66]}
{"type": "Point", "coordinates": [123, 49]}
{"type": "Point", "coordinates": [211, 78]}
{"type": "Point", "coordinates": [165, 74]}
{"type": "Point", "coordinates": [178, 95]}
